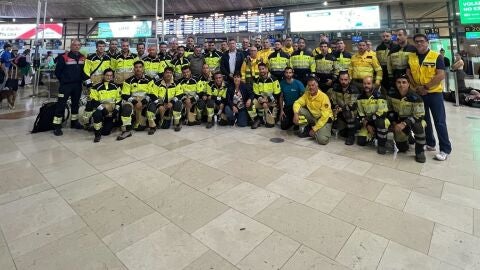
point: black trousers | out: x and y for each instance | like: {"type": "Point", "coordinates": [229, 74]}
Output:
{"type": "Point", "coordinates": [287, 122]}
{"type": "Point", "coordinates": [72, 91]}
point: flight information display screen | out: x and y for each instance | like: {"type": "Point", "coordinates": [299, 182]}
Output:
{"type": "Point", "coordinates": [250, 21]}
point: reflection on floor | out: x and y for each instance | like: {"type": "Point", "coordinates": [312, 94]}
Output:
{"type": "Point", "coordinates": [228, 198]}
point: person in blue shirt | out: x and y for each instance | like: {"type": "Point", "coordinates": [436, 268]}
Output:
{"type": "Point", "coordinates": [6, 56]}
{"type": "Point", "coordinates": [292, 89]}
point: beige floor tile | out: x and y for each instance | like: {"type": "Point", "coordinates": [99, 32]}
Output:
{"type": "Point", "coordinates": [210, 261]}
{"type": "Point", "coordinates": [297, 166]}
{"type": "Point", "coordinates": [132, 233]}
{"type": "Point", "coordinates": [6, 158]}
{"type": "Point", "coordinates": [326, 199]}
{"type": "Point", "coordinates": [331, 160]}
{"type": "Point", "coordinates": [46, 158]}
{"type": "Point", "coordinates": [79, 250]}
{"type": "Point", "coordinates": [31, 214]}
{"type": "Point", "coordinates": [186, 207]}
{"type": "Point", "coordinates": [363, 250]}
{"type": "Point", "coordinates": [369, 154]}
{"type": "Point", "coordinates": [29, 147]}
{"type": "Point", "coordinates": [168, 248]}
{"type": "Point", "coordinates": [194, 174]}
{"type": "Point", "coordinates": [409, 230]}
{"type": "Point", "coordinates": [110, 210]}
{"type": "Point", "coordinates": [85, 188]}
{"type": "Point", "coordinates": [461, 195]}
{"type": "Point", "coordinates": [69, 171]}
{"type": "Point", "coordinates": [232, 235]}
{"type": "Point", "coordinates": [476, 222]}
{"type": "Point", "coordinates": [440, 211]}
{"type": "Point", "coordinates": [272, 253]}
{"type": "Point", "coordinates": [294, 187]}
{"type": "Point", "coordinates": [141, 180]}
{"type": "Point", "coordinates": [247, 198]}
{"type": "Point", "coordinates": [6, 260]}
{"type": "Point", "coordinates": [444, 173]}
{"type": "Point", "coordinates": [216, 188]}
{"type": "Point", "coordinates": [116, 158]}
{"type": "Point", "coordinates": [177, 144]}
{"type": "Point", "coordinates": [46, 235]}
{"type": "Point", "coordinates": [306, 258]}
{"type": "Point", "coordinates": [411, 167]}
{"type": "Point", "coordinates": [393, 196]}
{"type": "Point", "coordinates": [252, 172]}
{"type": "Point", "coordinates": [197, 151]}
{"type": "Point", "coordinates": [400, 257]}
{"type": "Point", "coordinates": [20, 179]}
{"type": "Point", "coordinates": [164, 160]}
{"type": "Point", "coordinates": [321, 232]}
{"type": "Point", "coordinates": [7, 146]}
{"type": "Point", "coordinates": [347, 182]}
{"type": "Point", "coordinates": [414, 182]}
{"type": "Point", "coordinates": [358, 167]}
{"type": "Point", "coordinates": [455, 247]}
{"type": "Point", "coordinates": [145, 151]}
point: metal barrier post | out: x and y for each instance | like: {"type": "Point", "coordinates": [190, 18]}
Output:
{"type": "Point", "coordinates": [457, 99]}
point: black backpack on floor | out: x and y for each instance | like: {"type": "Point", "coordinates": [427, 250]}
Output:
{"type": "Point", "coordinates": [44, 120]}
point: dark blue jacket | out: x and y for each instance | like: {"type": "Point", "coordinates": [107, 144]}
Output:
{"type": "Point", "coordinates": [246, 90]}
{"type": "Point", "coordinates": [69, 68]}
{"type": "Point", "coordinates": [225, 65]}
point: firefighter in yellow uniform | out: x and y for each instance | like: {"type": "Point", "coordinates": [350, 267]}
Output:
{"type": "Point", "coordinates": [382, 51]}
{"type": "Point", "coordinates": [325, 67]}
{"type": "Point", "coordinates": [313, 113]}
{"type": "Point", "coordinates": [365, 64]}
{"type": "Point", "coordinates": [105, 98]}
{"type": "Point", "coordinates": [193, 96]}
{"type": "Point", "coordinates": [278, 61]}
{"type": "Point", "coordinates": [265, 52]}
{"type": "Point", "coordinates": [217, 97]}
{"type": "Point", "coordinates": [318, 50]}
{"type": "Point", "coordinates": [266, 91]}
{"type": "Point", "coordinates": [164, 56]}
{"type": "Point", "coordinates": [288, 46]}
{"type": "Point", "coordinates": [407, 114]}
{"type": "Point", "coordinates": [249, 68]}
{"type": "Point", "coordinates": [344, 104]}
{"type": "Point", "coordinates": [124, 63]}
{"type": "Point", "coordinates": [135, 95]}
{"type": "Point", "coordinates": [302, 62]}
{"type": "Point", "coordinates": [212, 57]}
{"type": "Point", "coordinates": [397, 61]}
{"type": "Point", "coordinates": [168, 103]}
{"type": "Point", "coordinates": [344, 58]}
{"type": "Point", "coordinates": [153, 65]}
{"type": "Point", "coordinates": [372, 112]}
{"type": "Point", "coordinates": [95, 65]}
{"type": "Point", "coordinates": [179, 62]}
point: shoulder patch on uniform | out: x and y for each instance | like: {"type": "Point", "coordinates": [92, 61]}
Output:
{"type": "Point", "coordinates": [369, 57]}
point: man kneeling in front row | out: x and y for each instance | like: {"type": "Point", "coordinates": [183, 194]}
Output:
{"type": "Point", "coordinates": [313, 113]}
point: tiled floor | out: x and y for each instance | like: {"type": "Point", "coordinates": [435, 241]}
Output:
{"type": "Point", "coordinates": [228, 198]}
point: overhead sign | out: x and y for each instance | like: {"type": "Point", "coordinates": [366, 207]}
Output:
{"type": "Point", "coordinates": [469, 11]}
{"type": "Point", "coordinates": [356, 18]}
{"type": "Point", "coordinates": [135, 29]}
{"type": "Point", "coordinates": [27, 31]}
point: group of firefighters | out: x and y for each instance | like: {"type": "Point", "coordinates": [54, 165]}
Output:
{"type": "Point", "coordinates": [363, 95]}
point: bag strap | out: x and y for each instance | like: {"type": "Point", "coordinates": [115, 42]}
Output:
{"type": "Point", "coordinates": [99, 65]}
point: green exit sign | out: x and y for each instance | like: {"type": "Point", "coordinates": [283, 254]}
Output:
{"type": "Point", "coordinates": [469, 11]}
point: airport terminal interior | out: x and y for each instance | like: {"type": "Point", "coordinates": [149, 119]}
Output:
{"type": "Point", "coordinates": [227, 185]}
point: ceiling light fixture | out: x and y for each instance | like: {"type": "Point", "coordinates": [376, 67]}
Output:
{"type": "Point", "coordinates": [134, 17]}
{"type": "Point", "coordinates": [91, 19]}
{"type": "Point", "coordinates": [51, 19]}
{"type": "Point", "coordinates": [325, 3]}
{"type": "Point", "coordinates": [13, 20]}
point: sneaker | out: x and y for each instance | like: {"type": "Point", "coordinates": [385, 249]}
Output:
{"type": "Point", "coordinates": [430, 148]}
{"type": "Point", "coordinates": [442, 156]}
{"type": "Point", "coordinates": [177, 128]}
{"type": "Point", "coordinates": [382, 150]}
{"type": "Point", "coordinates": [124, 135]}
{"type": "Point", "coordinates": [97, 138]}
{"type": "Point", "coordinates": [420, 157]}
{"type": "Point", "coordinates": [350, 140]}
{"type": "Point", "coordinates": [209, 125]}
{"type": "Point", "coordinates": [151, 131]}
{"type": "Point", "coordinates": [58, 132]}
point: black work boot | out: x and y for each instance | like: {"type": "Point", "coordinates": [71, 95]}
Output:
{"type": "Point", "coordinates": [76, 125]}
{"type": "Point", "coordinates": [152, 130]}
{"type": "Point", "coordinates": [305, 133]}
{"type": "Point", "coordinates": [124, 135]}
{"type": "Point", "coordinates": [177, 128]}
{"type": "Point", "coordinates": [98, 136]}
{"type": "Point", "coordinates": [350, 140]}
{"type": "Point", "coordinates": [420, 157]}
{"type": "Point", "coordinates": [209, 125]}
{"type": "Point", "coordinates": [58, 131]}
{"type": "Point", "coordinates": [256, 123]}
